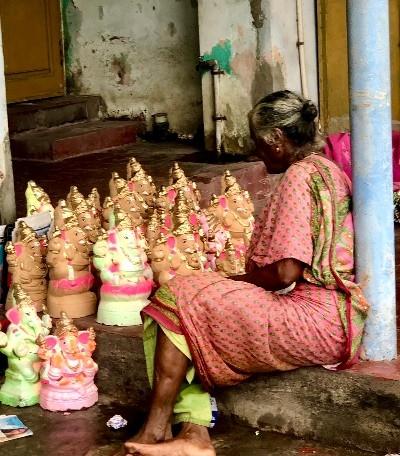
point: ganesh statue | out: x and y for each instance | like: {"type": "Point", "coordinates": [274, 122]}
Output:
{"type": "Point", "coordinates": [179, 181]}
{"type": "Point", "coordinates": [86, 212]}
{"type": "Point", "coordinates": [26, 261]}
{"type": "Point", "coordinates": [126, 276]}
{"type": "Point", "coordinates": [67, 369]}
{"type": "Point", "coordinates": [231, 261]}
{"type": "Point", "coordinates": [37, 200]}
{"type": "Point", "coordinates": [107, 210]}
{"type": "Point", "coordinates": [68, 259]}
{"type": "Point", "coordinates": [21, 386]}
{"type": "Point", "coordinates": [140, 182]}
{"type": "Point", "coordinates": [233, 212]}
{"type": "Point", "coordinates": [130, 201]}
{"type": "Point", "coordinates": [179, 252]}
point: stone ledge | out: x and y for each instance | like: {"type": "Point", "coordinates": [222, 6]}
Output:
{"type": "Point", "coordinates": [359, 408]}
{"type": "Point", "coordinates": [342, 408]}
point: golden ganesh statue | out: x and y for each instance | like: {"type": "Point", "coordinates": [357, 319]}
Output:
{"type": "Point", "coordinates": [86, 212]}
{"type": "Point", "coordinates": [139, 181]}
{"type": "Point", "coordinates": [130, 201]}
{"type": "Point", "coordinates": [230, 262]}
{"type": "Point", "coordinates": [26, 261]}
{"type": "Point", "coordinates": [180, 252]}
{"type": "Point", "coordinates": [179, 181]}
{"type": "Point", "coordinates": [67, 368]}
{"type": "Point", "coordinates": [37, 200]}
{"type": "Point", "coordinates": [68, 259]}
{"type": "Point", "coordinates": [233, 212]}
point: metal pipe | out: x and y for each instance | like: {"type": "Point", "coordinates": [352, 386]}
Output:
{"type": "Point", "coordinates": [370, 116]}
{"type": "Point", "coordinates": [216, 72]}
{"type": "Point", "coordinates": [218, 117]}
{"type": "Point", "coordinates": [300, 47]}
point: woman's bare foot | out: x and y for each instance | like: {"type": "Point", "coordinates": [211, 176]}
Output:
{"type": "Point", "coordinates": [193, 440]}
{"type": "Point", "coordinates": [144, 437]}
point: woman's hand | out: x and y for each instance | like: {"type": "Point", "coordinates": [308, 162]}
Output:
{"type": "Point", "coordinates": [275, 276]}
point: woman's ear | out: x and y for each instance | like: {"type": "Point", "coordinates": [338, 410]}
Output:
{"type": "Point", "coordinates": [277, 136]}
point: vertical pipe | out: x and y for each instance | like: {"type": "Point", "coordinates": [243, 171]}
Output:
{"type": "Point", "coordinates": [370, 116]}
{"type": "Point", "coordinates": [217, 111]}
{"type": "Point", "coordinates": [300, 47]}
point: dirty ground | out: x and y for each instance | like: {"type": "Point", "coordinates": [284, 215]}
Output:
{"type": "Point", "coordinates": [85, 433]}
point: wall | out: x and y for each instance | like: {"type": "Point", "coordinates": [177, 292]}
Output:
{"type": "Point", "coordinates": [7, 197]}
{"type": "Point", "coordinates": [255, 43]}
{"type": "Point", "coordinates": [139, 55]}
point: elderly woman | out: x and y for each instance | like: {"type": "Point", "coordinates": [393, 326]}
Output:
{"type": "Point", "coordinates": [206, 331]}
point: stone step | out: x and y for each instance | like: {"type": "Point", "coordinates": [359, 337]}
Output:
{"type": "Point", "coordinates": [67, 141]}
{"type": "Point", "coordinates": [84, 433]}
{"type": "Point", "coordinates": [357, 408]}
{"type": "Point", "coordinates": [52, 112]}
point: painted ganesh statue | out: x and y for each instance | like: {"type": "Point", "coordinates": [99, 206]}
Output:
{"type": "Point", "coordinates": [26, 261]}
{"type": "Point", "coordinates": [37, 200]}
{"type": "Point", "coordinates": [126, 276]}
{"type": "Point", "coordinates": [232, 212]}
{"type": "Point", "coordinates": [21, 386]}
{"type": "Point", "coordinates": [68, 259]}
{"type": "Point", "coordinates": [179, 252]}
{"type": "Point", "coordinates": [67, 370]}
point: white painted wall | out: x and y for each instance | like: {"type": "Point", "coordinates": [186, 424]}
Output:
{"type": "Point", "coordinates": [139, 55]}
{"type": "Point", "coordinates": [7, 196]}
{"type": "Point", "coordinates": [264, 58]}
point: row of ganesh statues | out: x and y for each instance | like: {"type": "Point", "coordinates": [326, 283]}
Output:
{"type": "Point", "coordinates": [137, 238]}
{"type": "Point", "coordinates": [55, 370]}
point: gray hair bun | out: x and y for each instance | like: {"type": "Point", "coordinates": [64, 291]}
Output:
{"type": "Point", "coordinates": [309, 111]}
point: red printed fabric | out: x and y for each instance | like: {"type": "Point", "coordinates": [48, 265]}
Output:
{"type": "Point", "coordinates": [235, 329]}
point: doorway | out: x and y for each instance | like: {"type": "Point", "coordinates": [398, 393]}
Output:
{"type": "Point", "coordinates": [33, 49]}
{"type": "Point", "coordinates": [333, 63]}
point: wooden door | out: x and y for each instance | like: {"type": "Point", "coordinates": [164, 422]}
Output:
{"type": "Point", "coordinates": [32, 45]}
{"type": "Point", "coordinates": [333, 63]}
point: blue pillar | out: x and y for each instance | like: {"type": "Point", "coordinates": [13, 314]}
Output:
{"type": "Point", "coordinates": [370, 116]}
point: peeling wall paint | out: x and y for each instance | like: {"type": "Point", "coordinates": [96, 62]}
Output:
{"type": "Point", "coordinates": [261, 36]}
{"type": "Point", "coordinates": [140, 56]}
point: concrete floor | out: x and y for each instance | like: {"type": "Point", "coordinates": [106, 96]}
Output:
{"type": "Point", "coordinates": [85, 433]}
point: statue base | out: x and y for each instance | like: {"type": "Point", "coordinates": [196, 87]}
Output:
{"type": "Point", "coordinates": [76, 305]}
{"type": "Point", "coordinates": [60, 399]}
{"type": "Point", "coordinates": [121, 305]}
{"type": "Point", "coordinates": [19, 393]}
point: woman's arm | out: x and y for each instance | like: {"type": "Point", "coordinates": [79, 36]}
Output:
{"type": "Point", "coordinates": [275, 276]}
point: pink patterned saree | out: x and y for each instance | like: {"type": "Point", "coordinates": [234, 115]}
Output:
{"type": "Point", "coordinates": [235, 329]}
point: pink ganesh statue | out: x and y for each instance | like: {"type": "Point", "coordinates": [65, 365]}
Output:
{"type": "Point", "coordinates": [67, 370]}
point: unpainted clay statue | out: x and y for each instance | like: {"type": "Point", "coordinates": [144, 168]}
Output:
{"type": "Point", "coordinates": [37, 200]}
{"type": "Point", "coordinates": [26, 261]}
{"type": "Point", "coordinates": [67, 370]}
{"type": "Point", "coordinates": [21, 386]}
{"type": "Point", "coordinates": [126, 276]}
{"type": "Point", "coordinates": [68, 259]}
